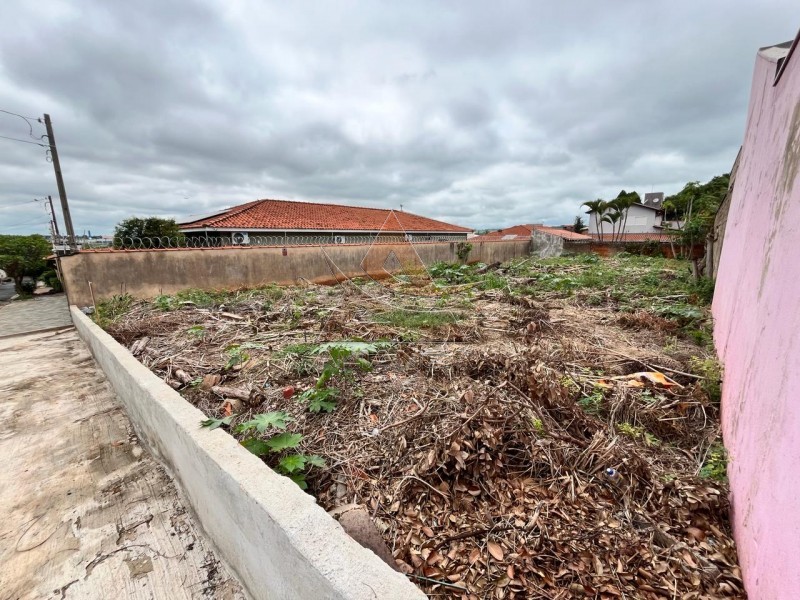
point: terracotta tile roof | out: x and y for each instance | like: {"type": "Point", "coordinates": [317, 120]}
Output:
{"type": "Point", "coordinates": [283, 215]}
{"type": "Point", "coordinates": [637, 237]}
{"type": "Point", "coordinates": [524, 231]}
{"type": "Point", "coordinates": [563, 233]}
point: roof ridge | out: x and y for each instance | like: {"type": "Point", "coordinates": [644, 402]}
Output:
{"type": "Point", "coordinates": [229, 212]}
{"type": "Point", "coordinates": [327, 204]}
{"type": "Point", "coordinates": [248, 205]}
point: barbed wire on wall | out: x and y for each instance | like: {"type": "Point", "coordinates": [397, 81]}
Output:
{"type": "Point", "coordinates": [243, 241]}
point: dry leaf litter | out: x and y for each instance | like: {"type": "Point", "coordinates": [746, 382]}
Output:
{"type": "Point", "coordinates": [535, 447]}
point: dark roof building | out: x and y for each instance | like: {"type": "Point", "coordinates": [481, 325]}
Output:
{"type": "Point", "coordinates": [654, 200]}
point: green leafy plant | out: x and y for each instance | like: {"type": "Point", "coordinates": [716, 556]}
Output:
{"type": "Point", "coordinates": [716, 464]}
{"type": "Point", "coordinates": [453, 273]}
{"type": "Point", "coordinates": [236, 356]}
{"type": "Point", "coordinates": [164, 303]}
{"type": "Point", "coordinates": [284, 440]}
{"type": "Point", "coordinates": [322, 397]}
{"type": "Point", "coordinates": [264, 421]}
{"type": "Point", "coordinates": [295, 466]}
{"type": "Point", "coordinates": [592, 404]}
{"type": "Point", "coordinates": [214, 423]}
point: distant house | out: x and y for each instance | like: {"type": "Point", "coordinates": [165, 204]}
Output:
{"type": "Point", "coordinates": [545, 241]}
{"type": "Point", "coordinates": [641, 218]}
{"type": "Point", "coordinates": [290, 222]}
{"type": "Point", "coordinates": [518, 232]}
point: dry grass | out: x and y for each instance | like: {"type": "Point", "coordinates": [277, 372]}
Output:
{"type": "Point", "coordinates": [481, 437]}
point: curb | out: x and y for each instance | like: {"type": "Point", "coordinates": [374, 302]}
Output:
{"type": "Point", "coordinates": [35, 331]}
{"type": "Point", "coordinates": [275, 537]}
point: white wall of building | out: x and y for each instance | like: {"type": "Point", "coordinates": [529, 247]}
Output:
{"type": "Point", "coordinates": [640, 220]}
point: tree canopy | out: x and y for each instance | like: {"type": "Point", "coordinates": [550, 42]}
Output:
{"type": "Point", "coordinates": [23, 255]}
{"type": "Point", "coordinates": [696, 206]}
{"type": "Point", "coordinates": [629, 197]}
{"type": "Point", "coordinates": [149, 227]}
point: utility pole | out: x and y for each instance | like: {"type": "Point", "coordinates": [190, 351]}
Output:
{"type": "Point", "coordinates": [62, 192]}
{"type": "Point", "coordinates": [53, 216]}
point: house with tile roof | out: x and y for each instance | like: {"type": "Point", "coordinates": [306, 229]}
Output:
{"type": "Point", "coordinates": [292, 222]}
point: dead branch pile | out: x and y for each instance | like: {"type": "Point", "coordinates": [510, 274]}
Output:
{"type": "Point", "coordinates": [467, 443]}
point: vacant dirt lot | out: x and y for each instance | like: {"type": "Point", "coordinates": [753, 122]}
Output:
{"type": "Point", "coordinates": [540, 429]}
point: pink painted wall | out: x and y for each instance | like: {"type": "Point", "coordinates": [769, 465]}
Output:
{"type": "Point", "coordinates": [757, 331]}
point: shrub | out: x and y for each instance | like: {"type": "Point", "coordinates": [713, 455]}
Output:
{"type": "Point", "coordinates": [51, 280]}
{"type": "Point", "coordinates": [27, 287]}
{"type": "Point", "coordinates": [462, 251]}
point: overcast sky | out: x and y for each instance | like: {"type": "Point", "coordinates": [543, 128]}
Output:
{"type": "Point", "coordinates": [484, 114]}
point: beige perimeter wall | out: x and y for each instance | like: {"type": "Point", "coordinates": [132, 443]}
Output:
{"type": "Point", "coordinates": [148, 273]}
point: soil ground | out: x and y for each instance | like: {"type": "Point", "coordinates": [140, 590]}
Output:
{"type": "Point", "coordinates": [544, 429]}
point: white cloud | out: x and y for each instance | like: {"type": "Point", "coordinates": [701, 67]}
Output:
{"type": "Point", "coordinates": [485, 114]}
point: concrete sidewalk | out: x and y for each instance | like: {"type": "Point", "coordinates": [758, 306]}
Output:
{"type": "Point", "coordinates": [87, 513]}
{"type": "Point", "coordinates": [35, 314]}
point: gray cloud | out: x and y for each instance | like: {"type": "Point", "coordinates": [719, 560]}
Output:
{"type": "Point", "coordinates": [485, 114]}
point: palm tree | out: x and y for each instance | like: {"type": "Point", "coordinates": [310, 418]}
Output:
{"type": "Point", "coordinates": [597, 208]}
{"type": "Point", "coordinates": [612, 216]}
{"type": "Point", "coordinates": [622, 205]}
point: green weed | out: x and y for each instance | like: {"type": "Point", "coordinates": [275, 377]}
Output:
{"type": "Point", "coordinates": [341, 355]}
{"type": "Point", "coordinates": [593, 403]}
{"type": "Point", "coordinates": [638, 433]}
{"type": "Point", "coordinates": [109, 311]}
{"type": "Point", "coordinates": [237, 355]}
{"type": "Point", "coordinates": [197, 331]}
{"type": "Point", "coordinates": [412, 319]}
{"type": "Point", "coordinates": [711, 370]}
{"type": "Point", "coordinates": [293, 465]}
{"type": "Point", "coordinates": [716, 464]}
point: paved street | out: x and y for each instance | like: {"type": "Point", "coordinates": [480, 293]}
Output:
{"type": "Point", "coordinates": [36, 314]}
{"type": "Point", "coordinates": [6, 291]}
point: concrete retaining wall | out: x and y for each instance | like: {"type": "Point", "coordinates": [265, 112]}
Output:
{"type": "Point", "coordinates": [546, 245]}
{"type": "Point", "coordinates": [757, 332]}
{"type": "Point", "coordinates": [148, 273]}
{"type": "Point", "coordinates": [280, 543]}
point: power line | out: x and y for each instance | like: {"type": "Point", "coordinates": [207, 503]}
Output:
{"type": "Point", "coordinates": [26, 119]}
{"type": "Point", "coordinates": [29, 223]}
{"type": "Point", "coordinates": [5, 137]}
{"type": "Point", "coordinates": [2, 206]}
{"type": "Point", "coordinates": [8, 112]}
